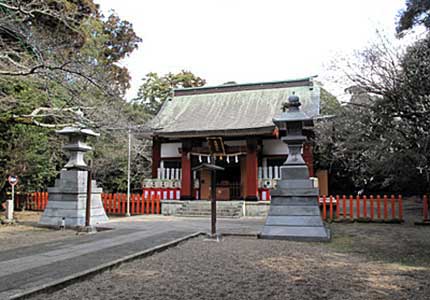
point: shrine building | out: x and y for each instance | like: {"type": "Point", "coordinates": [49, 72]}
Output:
{"type": "Point", "coordinates": [233, 124]}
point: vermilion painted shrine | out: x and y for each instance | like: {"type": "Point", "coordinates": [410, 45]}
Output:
{"type": "Point", "coordinates": [234, 122]}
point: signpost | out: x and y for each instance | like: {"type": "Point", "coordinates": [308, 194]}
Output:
{"type": "Point", "coordinates": [13, 180]}
{"type": "Point", "coordinates": [213, 168]}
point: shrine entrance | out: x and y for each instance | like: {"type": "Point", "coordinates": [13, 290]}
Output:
{"type": "Point", "coordinates": [228, 182]}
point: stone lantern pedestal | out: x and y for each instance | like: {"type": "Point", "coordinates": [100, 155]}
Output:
{"type": "Point", "coordinates": [67, 199]}
{"type": "Point", "coordinates": [294, 211]}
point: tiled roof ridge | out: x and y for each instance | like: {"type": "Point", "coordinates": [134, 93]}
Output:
{"type": "Point", "coordinates": [306, 81]}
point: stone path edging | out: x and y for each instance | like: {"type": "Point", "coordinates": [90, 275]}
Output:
{"type": "Point", "coordinates": [102, 267]}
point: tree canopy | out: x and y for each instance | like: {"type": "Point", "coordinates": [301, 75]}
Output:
{"type": "Point", "coordinates": [417, 12]}
{"type": "Point", "coordinates": [380, 139]}
{"type": "Point", "coordinates": [58, 67]}
{"type": "Point", "coordinates": [155, 89]}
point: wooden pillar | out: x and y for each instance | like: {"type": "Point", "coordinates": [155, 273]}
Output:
{"type": "Point", "coordinates": [156, 156]}
{"type": "Point", "coordinates": [323, 182]}
{"type": "Point", "coordinates": [308, 157]}
{"type": "Point", "coordinates": [251, 170]}
{"type": "Point", "coordinates": [186, 183]}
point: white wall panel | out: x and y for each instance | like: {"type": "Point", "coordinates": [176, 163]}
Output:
{"type": "Point", "coordinates": [170, 150]}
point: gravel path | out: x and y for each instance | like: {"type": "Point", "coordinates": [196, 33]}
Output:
{"type": "Point", "coordinates": [364, 261]}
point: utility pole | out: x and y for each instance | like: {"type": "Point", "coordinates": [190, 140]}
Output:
{"type": "Point", "coordinates": [128, 172]}
{"type": "Point", "coordinates": [89, 195]}
{"type": "Point", "coordinates": [129, 128]}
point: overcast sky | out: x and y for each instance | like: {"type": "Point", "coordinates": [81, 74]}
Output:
{"type": "Point", "coordinates": [248, 41]}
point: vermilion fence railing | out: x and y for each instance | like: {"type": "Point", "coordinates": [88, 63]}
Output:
{"type": "Point", "coordinates": [139, 205]}
{"type": "Point", "coordinates": [113, 203]}
{"type": "Point", "coordinates": [363, 208]}
{"type": "Point", "coordinates": [31, 201]}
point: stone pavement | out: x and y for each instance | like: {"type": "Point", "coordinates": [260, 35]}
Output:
{"type": "Point", "coordinates": [26, 269]}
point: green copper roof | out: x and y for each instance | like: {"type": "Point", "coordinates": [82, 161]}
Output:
{"type": "Point", "coordinates": [231, 112]}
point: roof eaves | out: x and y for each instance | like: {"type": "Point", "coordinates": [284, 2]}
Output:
{"type": "Point", "coordinates": [224, 132]}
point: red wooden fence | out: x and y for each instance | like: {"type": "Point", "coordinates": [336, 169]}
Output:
{"type": "Point", "coordinates": [31, 201]}
{"type": "Point", "coordinates": [139, 205]}
{"type": "Point", "coordinates": [387, 209]}
{"type": "Point", "coordinates": [113, 203]}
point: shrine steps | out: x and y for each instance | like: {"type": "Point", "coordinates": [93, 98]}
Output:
{"type": "Point", "coordinates": [202, 208]}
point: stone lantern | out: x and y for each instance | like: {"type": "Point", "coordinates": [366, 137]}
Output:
{"type": "Point", "coordinates": [67, 199]}
{"type": "Point", "coordinates": [291, 123]}
{"type": "Point", "coordinates": [76, 146]}
{"type": "Point", "coordinates": [294, 211]}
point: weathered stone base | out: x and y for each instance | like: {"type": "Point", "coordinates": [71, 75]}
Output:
{"type": "Point", "coordinates": [68, 200]}
{"type": "Point", "coordinates": [294, 215]}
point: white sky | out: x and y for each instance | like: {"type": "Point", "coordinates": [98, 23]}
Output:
{"type": "Point", "coordinates": [248, 41]}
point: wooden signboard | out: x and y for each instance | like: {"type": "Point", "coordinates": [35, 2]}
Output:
{"type": "Point", "coordinates": [216, 146]}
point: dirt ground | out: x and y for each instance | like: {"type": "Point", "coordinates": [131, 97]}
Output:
{"type": "Point", "coordinates": [363, 261]}
{"type": "Point", "coordinates": [24, 232]}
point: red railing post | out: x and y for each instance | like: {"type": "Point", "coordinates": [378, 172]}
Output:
{"type": "Point", "coordinates": [132, 204]}
{"type": "Point", "coordinates": [324, 208]}
{"type": "Point", "coordinates": [39, 201]}
{"type": "Point", "coordinates": [148, 199]}
{"type": "Point", "coordinates": [372, 213]}
{"type": "Point", "coordinates": [385, 207]}
{"type": "Point", "coordinates": [158, 204]}
{"type": "Point", "coordinates": [365, 207]}
{"type": "Point", "coordinates": [118, 199]}
{"type": "Point", "coordinates": [337, 207]}
{"type": "Point", "coordinates": [344, 206]}
{"type": "Point", "coordinates": [400, 208]}
{"type": "Point", "coordinates": [357, 198]}
{"type": "Point", "coordinates": [33, 201]}
{"type": "Point", "coordinates": [111, 203]}
{"type": "Point", "coordinates": [425, 208]}
{"type": "Point", "coordinates": [378, 206]}
{"type": "Point", "coordinates": [351, 207]}
{"type": "Point", "coordinates": [152, 203]}
{"type": "Point", "coordinates": [393, 207]}
{"type": "Point", "coordinates": [117, 203]}
{"type": "Point", "coordinates": [137, 203]}
{"type": "Point", "coordinates": [123, 203]}
{"type": "Point", "coordinates": [331, 207]}
{"type": "Point", "coordinates": [36, 201]}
